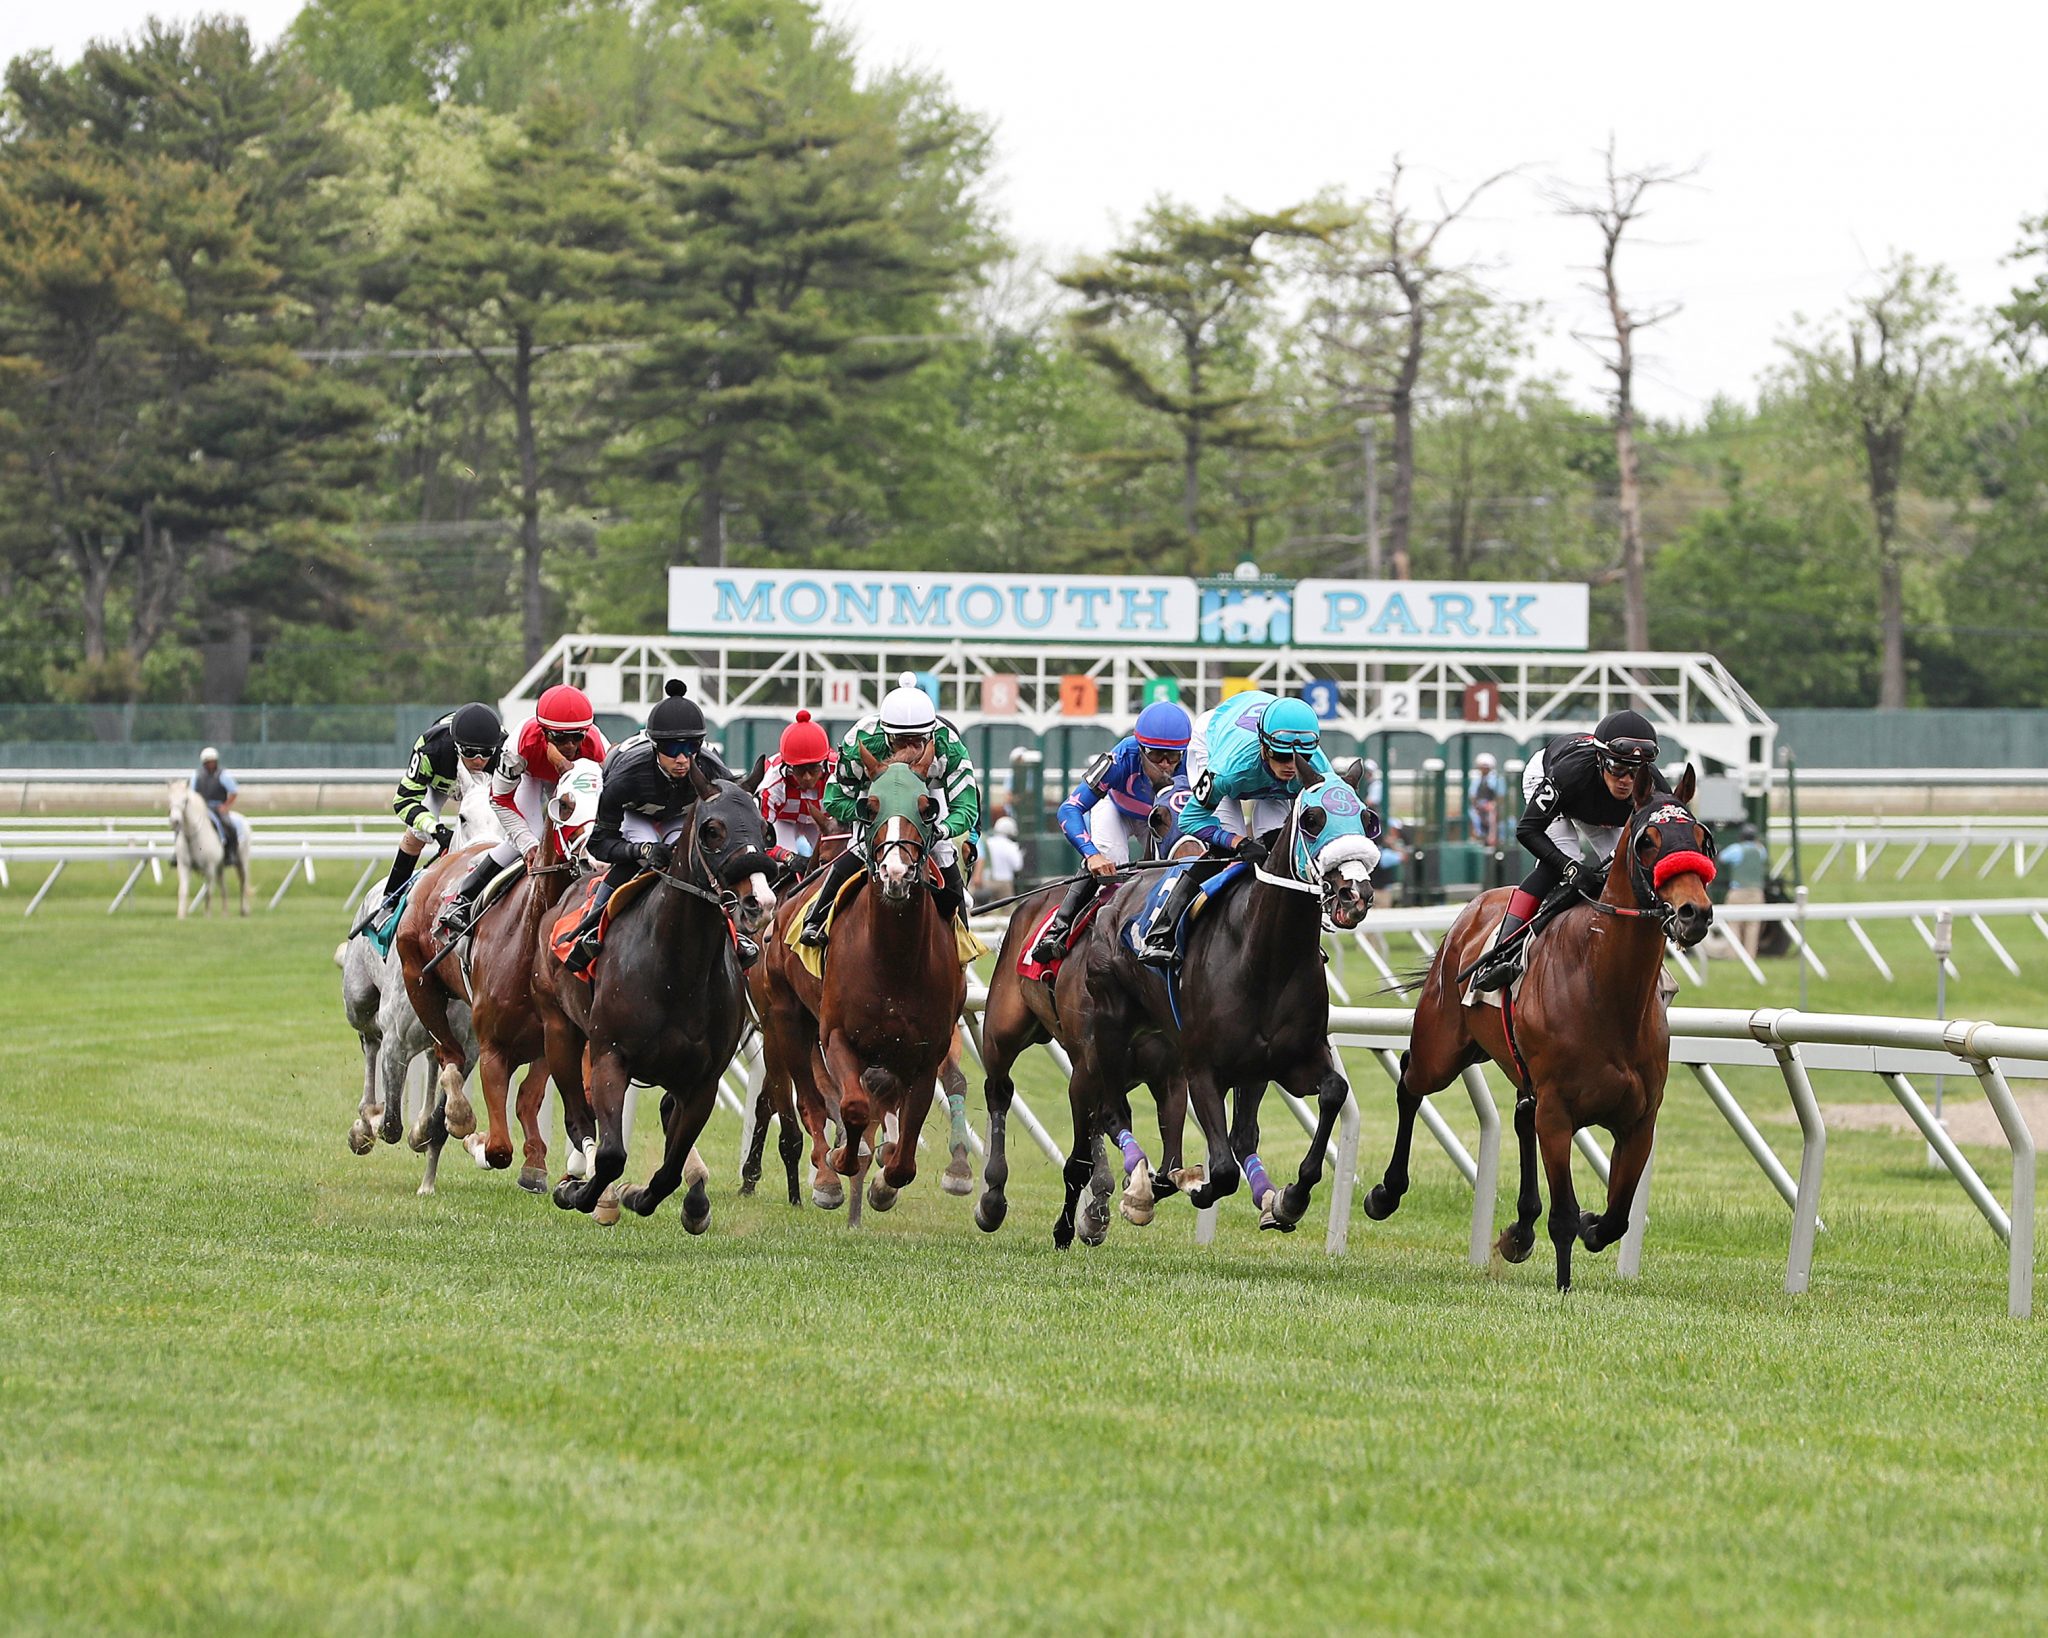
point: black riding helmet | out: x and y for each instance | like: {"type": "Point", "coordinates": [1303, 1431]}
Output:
{"type": "Point", "coordinates": [675, 724]}
{"type": "Point", "coordinates": [476, 730]}
{"type": "Point", "coordinates": [1627, 740]}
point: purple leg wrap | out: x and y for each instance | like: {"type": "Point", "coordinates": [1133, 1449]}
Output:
{"type": "Point", "coordinates": [1132, 1153]}
{"type": "Point", "coordinates": [1255, 1178]}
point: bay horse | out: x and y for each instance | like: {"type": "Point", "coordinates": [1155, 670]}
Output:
{"type": "Point", "coordinates": [866, 1044]}
{"type": "Point", "coordinates": [494, 978]}
{"type": "Point", "coordinates": [1020, 1013]}
{"type": "Point", "coordinates": [665, 1003]}
{"type": "Point", "coordinates": [197, 847]}
{"type": "Point", "coordinates": [1590, 1042]}
{"type": "Point", "coordinates": [1251, 1006]}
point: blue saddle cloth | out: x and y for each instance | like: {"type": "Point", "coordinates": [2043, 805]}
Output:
{"type": "Point", "coordinates": [384, 929]}
{"type": "Point", "coordinates": [1133, 930]}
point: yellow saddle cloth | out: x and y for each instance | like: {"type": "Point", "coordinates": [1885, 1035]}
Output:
{"type": "Point", "coordinates": [969, 948]}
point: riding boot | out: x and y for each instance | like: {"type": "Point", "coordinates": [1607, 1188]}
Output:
{"type": "Point", "coordinates": [749, 951]}
{"type": "Point", "coordinates": [1052, 943]}
{"type": "Point", "coordinates": [461, 906]}
{"type": "Point", "coordinates": [585, 950]}
{"type": "Point", "coordinates": [402, 868]}
{"type": "Point", "coordinates": [952, 894]}
{"type": "Point", "coordinates": [1158, 949]}
{"type": "Point", "coordinates": [1503, 960]}
{"type": "Point", "coordinates": [840, 872]}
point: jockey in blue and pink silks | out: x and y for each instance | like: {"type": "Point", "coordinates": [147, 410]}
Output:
{"type": "Point", "coordinates": [1112, 805]}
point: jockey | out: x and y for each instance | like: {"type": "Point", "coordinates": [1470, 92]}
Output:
{"type": "Point", "coordinates": [217, 789]}
{"type": "Point", "coordinates": [1580, 793]}
{"type": "Point", "coordinates": [647, 796]}
{"type": "Point", "coordinates": [907, 721]}
{"type": "Point", "coordinates": [468, 738]}
{"type": "Point", "coordinates": [793, 790]}
{"type": "Point", "coordinates": [1135, 773]}
{"type": "Point", "coordinates": [1254, 748]}
{"type": "Point", "coordinates": [561, 731]}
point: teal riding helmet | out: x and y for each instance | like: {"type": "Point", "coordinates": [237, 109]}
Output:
{"type": "Point", "coordinates": [1290, 725]}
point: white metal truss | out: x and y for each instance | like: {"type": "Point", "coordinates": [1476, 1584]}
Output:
{"type": "Point", "coordinates": [1696, 704]}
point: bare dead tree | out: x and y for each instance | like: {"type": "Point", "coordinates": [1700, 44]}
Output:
{"type": "Point", "coordinates": [1383, 294]}
{"type": "Point", "coordinates": [1614, 208]}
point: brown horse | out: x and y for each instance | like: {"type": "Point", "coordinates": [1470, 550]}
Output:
{"type": "Point", "coordinates": [1590, 1043]}
{"type": "Point", "coordinates": [496, 980]}
{"type": "Point", "coordinates": [866, 1044]}
{"type": "Point", "coordinates": [1021, 1013]}
{"type": "Point", "coordinates": [665, 1005]}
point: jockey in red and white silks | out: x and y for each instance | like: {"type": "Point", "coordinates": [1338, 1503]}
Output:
{"type": "Point", "coordinates": [560, 734]}
{"type": "Point", "coordinates": [793, 789]}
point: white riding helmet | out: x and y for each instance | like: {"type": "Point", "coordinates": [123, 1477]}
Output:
{"type": "Point", "coordinates": [1484, 760]}
{"type": "Point", "coordinates": [1006, 826]}
{"type": "Point", "coordinates": [908, 709]}
{"type": "Point", "coordinates": [209, 755]}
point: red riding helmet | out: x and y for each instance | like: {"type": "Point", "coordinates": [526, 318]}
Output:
{"type": "Point", "coordinates": [563, 709]}
{"type": "Point", "coordinates": [804, 741]}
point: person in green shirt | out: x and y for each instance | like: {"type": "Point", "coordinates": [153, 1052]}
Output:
{"type": "Point", "coordinates": [908, 720]}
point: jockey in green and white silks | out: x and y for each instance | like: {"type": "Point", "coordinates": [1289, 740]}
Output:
{"type": "Point", "coordinates": [1254, 749]}
{"type": "Point", "coordinates": [907, 720]}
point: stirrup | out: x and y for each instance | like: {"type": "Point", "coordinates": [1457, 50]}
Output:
{"type": "Point", "coordinates": [1156, 949]}
{"type": "Point", "coordinates": [1051, 945]}
{"type": "Point", "coordinates": [455, 916]}
{"type": "Point", "coordinates": [749, 951]}
{"type": "Point", "coordinates": [812, 937]}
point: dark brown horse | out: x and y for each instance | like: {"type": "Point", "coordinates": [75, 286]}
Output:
{"type": "Point", "coordinates": [666, 1002]}
{"type": "Point", "coordinates": [1251, 1007]}
{"type": "Point", "coordinates": [496, 981]}
{"type": "Point", "coordinates": [865, 1045]}
{"type": "Point", "coordinates": [1591, 1043]}
{"type": "Point", "coordinates": [1021, 1013]}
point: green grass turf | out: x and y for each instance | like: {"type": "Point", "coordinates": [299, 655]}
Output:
{"type": "Point", "coordinates": [249, 1381]}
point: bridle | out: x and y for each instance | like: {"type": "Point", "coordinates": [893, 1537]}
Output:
{"type": "Point", "coordinates": [1323, 890]}
{"type": "Point", "coordinates": [691, 882]}
{"type": "Point", "coordinates": [1643, 880]}
{"type": "Point", "coordinates": [914, 845]}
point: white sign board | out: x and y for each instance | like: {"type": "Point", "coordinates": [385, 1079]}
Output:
{"type": "Point", "coordinates": [1439, 614]}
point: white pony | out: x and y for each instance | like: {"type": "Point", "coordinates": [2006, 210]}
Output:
{"type": "Point", "coordinates": [198, 847]}
{"type": "Point", "coordinates": [373, 996]}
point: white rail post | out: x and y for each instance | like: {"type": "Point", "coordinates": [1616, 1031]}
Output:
{"type": "Point", "coordinates": [1752, 1140]}
{"type": "Point", "coordinates": [1812, 1152]}
{"type": "Point", "coordinates": [1628, 1261]}
{"type": "Point", "coordinates": [2019, 1279]}
{"type": "Point", "coordinates": [56, 871]}
{"type": "Point", "coordinates": [125, 886]}
{"type": "Point", "coordinates": [1345, 1182]}
{"type": "Point", "coordinates": [284, 886]}
{"type": "Point", "coordinates": [1941, 943]}
{"type": "Point", "coordinates": [1486, 1183]}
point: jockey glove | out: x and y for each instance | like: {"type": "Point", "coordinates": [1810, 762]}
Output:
{"type": "Point", "coordinates": [1252, 849]}
{"type": "Point", "coordinates": [444, 838]}
{"type": "Point", "coordinates": [653, 855]}
{"type": "Point", "coordinates": [423, 826]}
{"type": "Point", "coordinates": [1570, 874]}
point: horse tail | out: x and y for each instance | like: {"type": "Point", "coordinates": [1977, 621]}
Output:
{"type": "Point", "coordinates": [1406, 983]}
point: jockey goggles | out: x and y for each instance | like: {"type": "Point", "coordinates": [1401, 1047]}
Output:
{"type": "Point", "coordinates": [1625, 755]}
{"type": "Point", "coordinates": [679, 747]}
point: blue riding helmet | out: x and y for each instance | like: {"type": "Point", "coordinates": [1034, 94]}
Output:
{"type": "Point", "coordinates": [1291, 726]}
{"type": "Point", "coordinates": [1163, 725]}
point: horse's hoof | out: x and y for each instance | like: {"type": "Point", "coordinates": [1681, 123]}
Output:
{"type": "Point", "coordinates": [1380, 1204]}
{"type": "Point", "coordinates": [1515, 1243]}
{"type": "Point", "coordinates": [1136, 1214]}
{"type": "Point", "coordinates": [843, 1161]}
{"type": "Point", "coordinates": [392, 1130]}
{"type": "Point", "coordinates": [1269, 1213]}
{"type": "Point", "coordinates": [360, 1140]}
{"type": "Point", "coordinates": [696, 1209]}
{"type": "Point", "coordinates": [880, 1195]}
{"type": "Point", "coordinates": [461, 1117]}
{"type": "Point", "coordinates": [958, 1177]}
{"type": "Point", "coordinates": [634, 1200]}
{"type": "Point", "coordinates": [475, 1145]}
{"type": "Point", "coordinates": [606, 1211]}
{"type": "Point", "coordinates": [534, 1179]}
{"type": "Point", "coordinates": [827, 1199]}
{"type": "Point", "coordinates": [424, 1188]}
{"type": "Point", "coordinates": [420, 1136]}
{"type": "Point", "coordinates": [1062, 1234]}
{"type": "Point", "coordinates": [565, 1194]}
{"type": "Point", "coordinates": [1292, 1206]}
{"type": "Point", "coordinates": [1094, 1230]}
{"type": "Point", "coordinates": [989, 1212]}
{"type": "Point", "coordinates": [747, 1187]}
{"type": "Point", "coordinates": [1187, 1179]}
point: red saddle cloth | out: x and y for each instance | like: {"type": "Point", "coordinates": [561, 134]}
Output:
{"type": "Point", "coordinates": [1027, 968]}
{"type": "Point", "coordinates": [562, 938]}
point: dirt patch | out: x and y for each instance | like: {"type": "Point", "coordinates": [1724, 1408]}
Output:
{"type": "Point", "coordinates": [1969, 1122]}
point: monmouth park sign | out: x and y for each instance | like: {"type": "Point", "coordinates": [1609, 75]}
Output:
{"type": "Point", "coordinates": [1153, 610]}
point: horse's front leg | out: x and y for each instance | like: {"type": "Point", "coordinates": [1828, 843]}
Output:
{"type": "Point", "coordinates": [682, 1120]}
{"type": "Point", "coordinates": [1554, 1137]}
{"type": "Point", "coordinates": [362, 1136]}
{"type": "Point", "coordinates": [1321, 1079]}
{"type": "Point", "coordinates": [606, 1091]}
{"type": "Point", "coordinates": [533, 1170]}
{"type": "Point", "coordinates": [1084, 1098]}
{"type": "Point", "coordinates": [958, 1177]}
{"type": "Point", "coordinates": [1624, 1175]}
{"type": "Point", "coordinates": [1206, 1098]}
{"type": "Point", "coordinates": [1518, 1239]}
{"type": "Point", "coordinates": [184, 889]}
{"type": "Point", "coordinates": [856, 1103]}
{"type": "Point", "coordinates": [1384, 1199]}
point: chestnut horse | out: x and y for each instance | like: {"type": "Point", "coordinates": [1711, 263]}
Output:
{"type": "Point", "coordinates": [665, 1004]}
{"type": "Point", "coordinates": [866, 1044]}
{"type": "Point", "coordinates": [495, 978]}
{"type": "Point", "coordinates": [1590, 1045]}
{"type": "Point", "coordinates": [1251, 1006]}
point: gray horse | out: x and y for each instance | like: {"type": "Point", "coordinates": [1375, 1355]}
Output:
{"type": "Point", "coordinates": [197, 847]}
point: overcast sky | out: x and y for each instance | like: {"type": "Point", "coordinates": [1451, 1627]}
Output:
{"type": "Point", "coordinates": [1827, 135]}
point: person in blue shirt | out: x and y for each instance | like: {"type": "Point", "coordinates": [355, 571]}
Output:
{"type": "Point", "coordinates": [1255, 749]}
{"type": "Point", "coordinates": [1141, 770]}
{"type": "Point", "coordinates": [1482, 801]}
{"type": "Point", "coordinates": [217, 789]}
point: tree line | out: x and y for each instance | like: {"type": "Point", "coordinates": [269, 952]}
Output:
{"type": "Point", "coordinates": [360, 367]}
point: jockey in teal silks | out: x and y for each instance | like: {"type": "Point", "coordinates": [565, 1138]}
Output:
{"type": "Point", "coordinates": [1254, 748]}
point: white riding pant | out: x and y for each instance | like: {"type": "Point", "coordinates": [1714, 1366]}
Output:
{"type": "Point", "coordinates": [800, 836]}
{"type": "Point", "coordinates": [1114, 832]}
{"type": "Point", "coordinates": [1267, 813]}
{"type": "Point", "coordinates": [638, 828]}
{"type": "Point", "coordinates": [240, 826]}
{"type": "Point", "coordinates": [530, 799]}
{"type": "Point", "coordinates": [1589, 844]}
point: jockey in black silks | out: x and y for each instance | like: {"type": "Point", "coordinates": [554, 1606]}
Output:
{"type": "Point", "coordinates": [466, 739]}
{"type": "Point", "coordinates": [1579, 795]}
{"type": "Point", "coordinates": [647, 796]}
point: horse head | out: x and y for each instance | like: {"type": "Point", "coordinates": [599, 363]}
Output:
{"type": "Point", "coordinates": [733, 839]}
{"type": "Point", "coordinates": [572, 810]}
{"type": "Point", "coordinates": [1333, 848]}
{"type": "Point", "coordinates": [897, 817]}
{"type": "Point", "coordinates": [1667, 857]}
